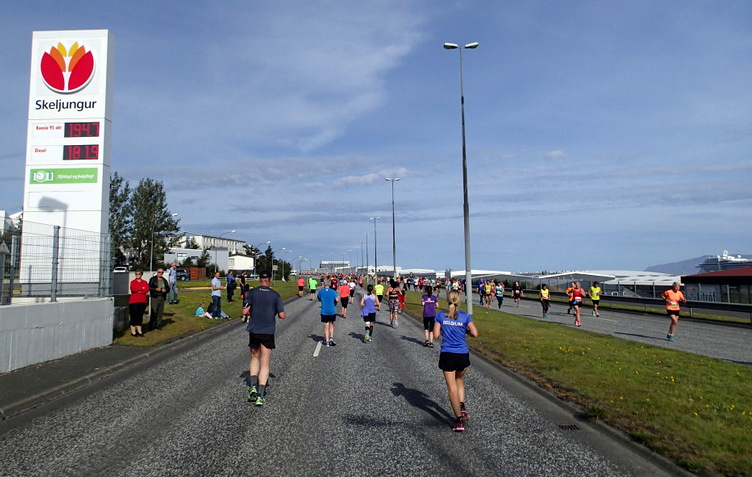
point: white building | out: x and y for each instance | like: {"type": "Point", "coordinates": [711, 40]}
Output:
{"type": "Point", "coordinates": [239, 261]}
{"type": "Point", "coordinates": [210, 242]}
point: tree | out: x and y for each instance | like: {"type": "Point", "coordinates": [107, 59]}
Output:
{"type": "Point", "coordinates": [264, 262]}
{"type": "Point", "coordinates": [153, 224]}
{"type": "Point", "coordinates": [204, 259]}
{"type": "Point", "coordinates": [191, 243]}
{"type": "Point", "coordinates": [121, 217]}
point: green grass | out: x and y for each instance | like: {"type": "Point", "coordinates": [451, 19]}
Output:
{"type": "Point", "coordinates": [692, 409]}
{"type": "Point", "coordinates": [178, 320]}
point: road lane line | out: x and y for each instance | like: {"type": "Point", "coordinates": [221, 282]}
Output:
{"type": "Point", "coordinates": [317, 350]}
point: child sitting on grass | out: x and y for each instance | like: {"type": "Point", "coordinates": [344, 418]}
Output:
{"type": "Point", "coordinates": [200, 313]}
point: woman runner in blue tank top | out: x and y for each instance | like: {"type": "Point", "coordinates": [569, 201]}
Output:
{"type": "Point", "coordinates": [452, 325]}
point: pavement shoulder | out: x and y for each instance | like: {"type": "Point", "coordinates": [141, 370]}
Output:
{"type": "Point", "coordinates": [29, 387]}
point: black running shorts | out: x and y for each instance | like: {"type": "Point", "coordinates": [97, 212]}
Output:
{"type": "Point", "coordinates": [454, 361]}
{"type": "Point", "coordinates": [256, 340]}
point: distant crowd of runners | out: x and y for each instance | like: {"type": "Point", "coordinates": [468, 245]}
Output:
{"type": "Point", "coordinates": [261, 305]}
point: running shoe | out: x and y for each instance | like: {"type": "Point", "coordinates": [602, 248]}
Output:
{"type": "Point", "coordinates": [331, 342]}
{"type": "Point", "coordinates": [430, 345]}
{"type": "Point", "coordinates": [465, 415]}
{"type": "Point", "coordinates": [260, 401]}
{"type": "Point", "coordinates": [367, 337]}
{"type": "Point", "coordinates": [252, 393]}
{"type": "Point", "coordinates": [459, 426]}
{"type": "Point", "coordinates": [396, 323]}
{"type": "Point", "coordinates": [670, 337]}
{"type": "Point", "coordinates": [327, 344]}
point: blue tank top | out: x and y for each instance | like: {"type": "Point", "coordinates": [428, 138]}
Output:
{"type": "Point", "coordinates": [369, 305]}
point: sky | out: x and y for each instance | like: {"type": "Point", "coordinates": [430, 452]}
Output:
{"type": "Point", "coordinates": [600, 134]}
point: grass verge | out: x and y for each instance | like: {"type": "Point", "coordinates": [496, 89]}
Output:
{"type": "Point", "coordinates": [692, 409]}
{"type": "Point", "coordinates": [178, 320]}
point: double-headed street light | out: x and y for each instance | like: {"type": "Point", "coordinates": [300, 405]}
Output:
{"type": "Point", "coordinates": [466, 207]}
{"type": "Point", "coordinates": [394, 237]}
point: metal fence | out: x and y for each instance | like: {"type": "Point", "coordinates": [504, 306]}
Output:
{"type": "Point", "coordinates": [44, 262]}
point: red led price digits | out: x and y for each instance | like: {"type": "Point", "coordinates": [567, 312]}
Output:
{"type": "Point", "coordinates": [81, 129]}
{"type": "Point", "coordinates": [78, 152]}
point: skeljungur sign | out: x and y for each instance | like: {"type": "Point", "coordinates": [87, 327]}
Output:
{"type": "Point", "coordinates": [68, 144]}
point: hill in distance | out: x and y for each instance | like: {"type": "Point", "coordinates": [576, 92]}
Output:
{"type": "Point", "coordinates": [685, 267]}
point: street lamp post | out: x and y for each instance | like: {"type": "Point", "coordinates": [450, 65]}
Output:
{"type": "Point", "coordinates": [394, 236]}
{"type": "Point", "coordinates": [465, 205]}
{"type": "Point", "coordinates": [366, 234]}
{"type": "Point", "coordinates": [151, 253]}
{"type": "Point", "coordinates": [375, 250]}
{"type": "Point", "coordinates": [216, 265]}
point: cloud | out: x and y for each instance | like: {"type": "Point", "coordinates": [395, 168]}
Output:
{"type": "Point", "coordinates": [556, 155]}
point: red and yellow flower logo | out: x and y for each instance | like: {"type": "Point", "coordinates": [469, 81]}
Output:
{"type": "Point", "coordinates": [67, 71]}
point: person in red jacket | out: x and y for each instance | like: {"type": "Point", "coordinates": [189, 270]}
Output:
{"type": "Point", "coordinates": [137, 303]}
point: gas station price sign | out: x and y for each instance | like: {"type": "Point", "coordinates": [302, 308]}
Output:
{"type": "Point", "coordinates": [55, 141]}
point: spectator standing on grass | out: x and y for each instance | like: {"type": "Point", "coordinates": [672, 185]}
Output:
{"type": "Point", "coordinates": [452, 325]}
{"type": "Point", "coordinates": [158, 287]}
{"type": "Point", "coordinates": [232, 283]}
{"type": "Point", "coordinates": [429, 302]}
{"type": "Point", "coordinates": [137, 303]}
{"type": "Point", "coordinates": [674, 297]}
{"type": "Point", "coordinates": [264, 305]}
{"type": "Point", "coordinates": [172, 279]}
{"type": "Point", "coordinates": [216, 296]}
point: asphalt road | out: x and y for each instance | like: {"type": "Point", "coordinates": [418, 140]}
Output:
{"type": "Point", "coordinates": [362, 409]}
{"type": "Point", "coordinates": [723, 341]}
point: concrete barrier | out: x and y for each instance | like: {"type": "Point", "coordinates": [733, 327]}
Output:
{"type": "Point", "coordinates": [31, 333]}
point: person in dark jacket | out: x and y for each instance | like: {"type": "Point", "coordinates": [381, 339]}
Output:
{"type": "Point", "coordinates": [158, 287]}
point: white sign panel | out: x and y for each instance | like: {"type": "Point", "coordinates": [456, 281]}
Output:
{"type": "Point", "coordinates": [68, 140]}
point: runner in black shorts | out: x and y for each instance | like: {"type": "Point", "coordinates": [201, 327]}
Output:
{"type": "Point", "coordinates": [265, 305]}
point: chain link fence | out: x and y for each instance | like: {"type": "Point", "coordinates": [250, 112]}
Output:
{"type": "Point", "coordinates": [44, 262]}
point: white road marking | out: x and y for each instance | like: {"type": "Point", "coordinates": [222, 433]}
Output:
{"type": "Point", "coordinates": [317, 350]}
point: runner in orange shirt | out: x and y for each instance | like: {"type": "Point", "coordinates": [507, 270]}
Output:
{"type": "Point", "coordinates": [344, 296]}
{"type": "Point", "coordinates": [673, 297]}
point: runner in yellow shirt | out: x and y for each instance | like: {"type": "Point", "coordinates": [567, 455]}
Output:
{"type": "Point", "coordinates": [595, 296]}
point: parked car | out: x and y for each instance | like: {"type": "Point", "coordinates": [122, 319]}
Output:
{"type": "Point", "coordinates": [182, 274]}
